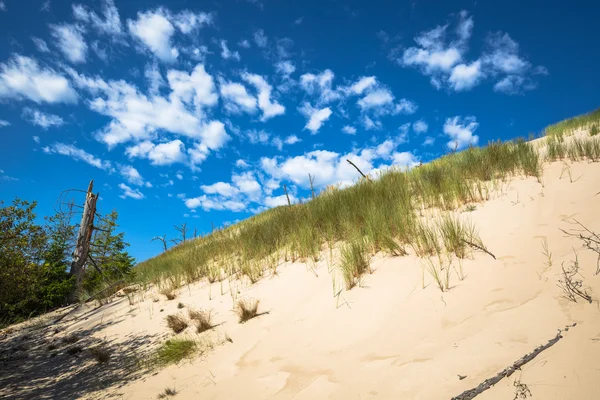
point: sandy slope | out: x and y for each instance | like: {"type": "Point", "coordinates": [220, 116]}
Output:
{"type": "Point", "coordinates": [392, 338]}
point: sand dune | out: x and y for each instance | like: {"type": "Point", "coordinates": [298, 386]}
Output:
{"type": "Point", "coordinates": [397, 336]}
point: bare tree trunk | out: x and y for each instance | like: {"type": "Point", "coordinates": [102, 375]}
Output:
{"type": "Point", "coordinates": [312, 189]}
{"type": "Point", "coordinates": [82, 247]}
{"type": "Point", "coordinates": [286, 195]}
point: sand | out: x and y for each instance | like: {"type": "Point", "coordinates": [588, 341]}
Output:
{"type": "Point", "coordinates": [397, 336]}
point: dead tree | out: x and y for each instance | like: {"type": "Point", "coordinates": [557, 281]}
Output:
{"type": "Point", "coordinates": [359, 171]}
{"type": "Point", "coordinates": [311, 179]}
{"type": "Point", "coordinates": [82, 246]}
{"type": "Point", "coordinates": [286, 195]}
{"type": "Point", "coordinates": [182, 229]}
{"type": "Point", "coordinates": [163, 240]}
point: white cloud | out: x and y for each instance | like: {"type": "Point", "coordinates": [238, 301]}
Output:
{"type": "Point", "coordinates": [78, 154]}
{"type": "Point", "coordinates": [279, 200]}
{"type": "Point", "coordinates": [159, 154]}
{"type": "Point", "coordinates": [404, 160]}
{"type": "Point", "coordinates": [42, 119]}
{"type": "Point", "coordinates": [465, 77]}
{"type": "Point", "coordinates": [257, 136]}
{"type": "Point", "coordinates": [370, 124]}
{"type": "Point", "coordinates": [316, 117]}
{"type": "Point", "coordinates": [461, 130]}
{"type": "Point", "coordinates": [154, 78]}
{"type": "Point", "coordinates": [247, 184]}
{"type": "Point", "coordinates": [405, 106]}
{"type": "Point", "coordinates": [129, 192]}
{"type": "Point", "coordinates": [236, 99]}
{"type": "Point", "coordinates": [443, 60]}
{"type": "Point", "coordinates": [241, 164]}
{"type": "Point", "coordinates": [376, 99]}
{"type": "Point", "coordinates": [226, 53]}
{"type": "Point", "coordinates": [36, 139]}
{"type": "Point", "coordinates": [208, 203]}
{"type": "Point", "coordinates": [363, 84]}
{"type": "Point", "coordinates": [22, 77]}
{"type": "Point", "coordinates": [277, 142]}
{"type": "Point", "coordinates": [244, 43]}
{"type": "Point", "coordinates": [350, 130]}
{"type": "Point", "coordinates": [131, 175]}
{"type": "Point", "coordinates": [292, 139]}
{"type": "Point", "coordinates": [260, 38]}
{"type": "Point", "coordinates": [420, 126]}
{"type": "Point", "coordinates": [429, 141]}
{"type": "Point", "coordinates": [197, 88]}
{"type": "Point", "coordinates": [4, 123]}
{"type": "Point", "coordinates": [2, 6]}
{"type": "Point", "coordinates": [110, 24]}
{"type": "Point", "coordinates": [220, 188]}
{"type": "Point", "coordinates": [285, 68]}
{"type": "Point", "coordinates": [40, 44]}
{"type": "Point", "coordinates": [188, 21]}
{"type": "Point", "coordinates": [269, 108]}
{"type": "Point", "coordinates": [320, 85]}
{"type": "Point", "coordinates": [69, 39]}
{"type": "Point", "coordinates": [154, 30]}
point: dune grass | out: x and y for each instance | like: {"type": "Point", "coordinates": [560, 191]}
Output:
{"type": "Point", "coordinates": [391, 212]}
{"type": "Point", "coordinates": [175, 350]}
{"type": "Point", "coordinates": [246, 309]}
{"type": "Point", "coordinates": [354, 262]}
{"type": "Point", "coordinates": [568, 126]}
{"type": "Point", "coordinates": [176, 322]}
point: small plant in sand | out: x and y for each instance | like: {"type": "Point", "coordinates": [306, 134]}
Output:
{"type": "Point", "coordinates": [177, 323]}
{"type": "Point", "coordinates": [594, 130]}
{"type": "Point", "coordinates": [175, 350]}
{"type": "Point", "coordinates": [202, 319]}
{"type": "Point", "coordinates": [246, 309]}
{"type": "Point", "coordinates": [439, 272]}
{"type": "Point", "coordinates": [470, 207]}
{"type": "Point", "coordinates": [572, 284]}
{"type": "Point", "coordinates": [546, 252]}
{"type": "Point", "coordinates": [180, 305]}
{"type": "Point", "coordinates": [168, 392]}
{"type": "Point", "coordinates": [100, 353]}
{"type": "Point", "coordinates": [354, 262]}
{"type": "Point", "coordinates": [169, 293]}
{"type": "Point", "coordinates": [521, 390]}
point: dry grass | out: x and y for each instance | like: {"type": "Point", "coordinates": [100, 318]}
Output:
{"type": "Point", "coordinates": [168, 392]}
{"type": "Point", "coordinates": [100, 353]}
{"type": "Point", "coordinates": [176, 322]}
{"type": "Point", "coordinates": [202, 319]}
{"type": "Point", "coordinates": [169, 293]}
{"type": "Point", "coordinates": [246, 309]}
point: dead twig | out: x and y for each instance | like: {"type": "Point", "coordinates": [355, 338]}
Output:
{"type": "Point", "coordinates": [508, 371]}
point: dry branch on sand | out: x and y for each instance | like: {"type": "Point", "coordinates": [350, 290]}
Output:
{"type": "Point", "coordinates": [508, 371]}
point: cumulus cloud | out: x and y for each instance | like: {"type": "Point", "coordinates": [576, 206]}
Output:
{"type": "Point", "coordinates": [79, 155]}
{"type": "Point", "coordinates": [363, 84]}
{"type": "Point", "coordinates": [420, 126]}
{"type": "Point", "coordinates": [44, 120]}
{"type": "Point", "coordinates": [429, 141]}
{"type": "Point", "coordinates": [23, 78]}
{"type": "Point", "coordinates": [221, 188]}
{"type": "Point", "coordinates": [268, 107]}
{"type": "Point", "coordinates": [350, 130]}
{"type": "Point", "coordinates": [236, 98]}
{"type": "Point", "coordinates": [461, 132]}
{"type": "Point", "coordinates": [69, 39]}
{"type": "Point", "coordinates": [444, 60]}
{"type": "Point", "coordinates": [292, 139]}
{"type": "Point", "coordinates": [154, 30]}
{"type": "Point", "coordinates": [110, 24]}
{"type": "Point", "coordinates": [226, 53]}
{"type": "Point", "coordinates": [320, 85]}
{"type": "Point", "coordinates": [285, 68]}
{"type": "Point", "coordinates": [4, 123]}
{"type": "Point", "coordinates": [129, 192]}
{"type": "Point", "coordinates": [316, 116]}
{"type": "Point", "coordinates": [159, 154]}
{"type": "Point", "coordinates": [187, 21]}
{"type": "Point", "coordinates": [132, 176]}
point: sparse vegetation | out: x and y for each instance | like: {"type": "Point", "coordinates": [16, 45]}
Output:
{"type": "Point", "coordinates": [100, 353]}
{"type": "Point", "coordinates": [246, 309]}
{"type": "Point", "coordinates": [177, 323]}
{"type": "Point", "coordinates": [202, 318]}
{"type": "Point", "coordinates": [175, 350]}
{"type": "Point", "coordinates": [572, 284]}
{"type": "Point", "coordinates": [354, 262]}
{"type": "Point", "coordinates": [168, 392]}
{"type": "Point", "coordinates": [594, 130]}
{"type": "Point", "coordinates": [180, 305]}
{"type": "Point", "coordinates": [169, 293]}
{"type": "Point", "coordinates": [568, 126]}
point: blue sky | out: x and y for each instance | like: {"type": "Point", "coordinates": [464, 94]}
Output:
{"type": "Point", "coordinates": [200, 112]}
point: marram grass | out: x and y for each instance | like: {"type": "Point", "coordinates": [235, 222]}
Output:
{"type": "Point", "coordinates": [386, 214]}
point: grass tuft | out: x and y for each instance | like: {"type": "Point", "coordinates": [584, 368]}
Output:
{"type": "Point", "coordinates": [202, 318]}
{"type": "Point", "coordinates": [175, 350]}
{"type": "Point", "coordinates": [168, 392]}
{"type": "Point", "coordinates": [354, 262]}
{"type": "Point", "coordinates": [176, 322]}
{"type": "Point", "coordinates": [246, 309]}
{"type": "Point", "coordinates": [100, 353]}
